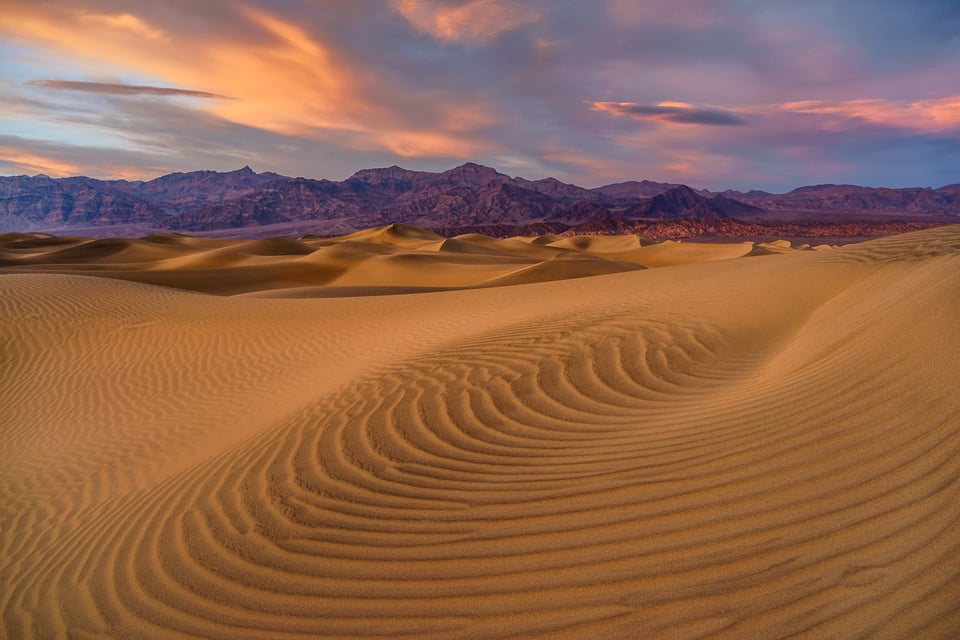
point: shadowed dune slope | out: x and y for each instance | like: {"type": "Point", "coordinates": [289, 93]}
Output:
{"type": "Point", "coordinates": [380, 259]}
{"type": "Point", "coordinates": [755, 448]}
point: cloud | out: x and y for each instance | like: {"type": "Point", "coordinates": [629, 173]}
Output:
{"type": "Point", "coordinates": [929, 115]}
{"type": "Point", "coordinates": [767, 95]}
{"type": "Point", "coordinates": [285, 76]}
{"type": "Point", "coordinates": [125, 21]}
{"type": "Point", "coordinates": [20, 155]}
{"type": "Point", "coordinates": [677, 112]}
{"type": "Point", "coordinates": [477, 20]}
{"type": "Point", "coordinates": [282, 76]}
{"type": "Point", "coordinates": [122, 89]}
{"type": "Point", "coordinates": [687, 15]}
{"type": "Point", "coordinates": [15, 161]}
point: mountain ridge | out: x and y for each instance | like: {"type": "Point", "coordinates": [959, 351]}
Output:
{"type": "Point", "coordinates": [469, 195]}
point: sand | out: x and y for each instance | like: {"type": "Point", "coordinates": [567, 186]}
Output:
{"type": "Point", "coordinates": [734, 446]}
{"type": "Point", "coordinates": [395, 258]}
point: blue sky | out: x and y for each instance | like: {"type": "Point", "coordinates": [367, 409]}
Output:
{"type": "Point", "coordinates": [713, 93]}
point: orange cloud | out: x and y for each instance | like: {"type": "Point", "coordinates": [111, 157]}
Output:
{"type": "Point", "coordinates": [934, 115]}
{"type": "Point", "coordinates": [691, 165]}
{"type": "Point", "coordinates": [126, 21]}
{"type": "Point", "coordinates": [289, 84]}
{"type": "Point", "coordinates": [285, 81]}
{"type": "Point", "coordinates": [591, 167]}
{"type": "Point", "coordinates": [30, 163]}
{"type": "Point", "coordinates": [671, 113]}
{"type": "Point", "coordinates": [477, 20]}
{"type": "Point", "coordinates": [412, 144]}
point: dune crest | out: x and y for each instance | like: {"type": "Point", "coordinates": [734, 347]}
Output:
{"type": "Point", "coordinates": [764, 446]}
{"type": "Point", "coordinates": [394, 257]}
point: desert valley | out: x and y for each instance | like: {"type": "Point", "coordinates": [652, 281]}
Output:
{"type": "Point", "coordinates": [480, 320]}
{"type": "Point", "coordinates": [468, 198]}
{"type": "Point", "coordinates": [392, 433]}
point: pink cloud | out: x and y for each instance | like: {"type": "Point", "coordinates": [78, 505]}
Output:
{"type": "Point", "coordinates": [287, 81]}
{"type": "Point", "coordinates": [671, 112]}
{"type": "Point", "coordinates": [477, 20]}
{"type": "Point", "coordinates": [22, 161]}
{"type": "Point", "coordinates": [933, 115]}
{"type": "Point", "coordinates": [124, 21]}
{"type": "Point", "coordinates": [691, 14]}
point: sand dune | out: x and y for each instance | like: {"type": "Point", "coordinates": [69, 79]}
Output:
{"type": "Point", "coordinates": [761, 447]}
{"type": "Point", "coordinates": [393, 257]}
{"type": "Point", "coordinates": [601, 244]}
{"type": "Point", "coordinates": [671, 253]}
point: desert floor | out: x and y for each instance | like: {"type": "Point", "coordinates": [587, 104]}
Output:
{"type": "Point", "coordinates": [392, 434]}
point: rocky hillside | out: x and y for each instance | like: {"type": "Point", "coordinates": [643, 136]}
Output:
{"type": "Point", "coordinates": [684, 202]}
{"type": "Point", "coordinates": [470, 195]}
{"type": "Point", "coordinates": [841, 197]}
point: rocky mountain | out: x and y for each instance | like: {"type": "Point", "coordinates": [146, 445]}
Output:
{"type": "Point", "coordinates": [684, 202]}
{"type": "Point", "coordinates": [561, 191]}
{"type": "Point", "coordinates": [41, 202]}
{"type": "Point", "coordinates": [582, 211]}
{"type": "Point", "coordinates": [284, 200]}
{"type": "Point", "coordinates": [390, 183]}
{"type": "Point", "coordinates": [181, 192]}
{"type": "Point", "coordinates": [753, 194]}
{"type": "Point", "coordinates": [466, 195]}
{"type": "Point", "coordinates": [44, 202]}
{"type": "Point", "coordinates": [491, 203]}
{"type": "Point", "coordinates": [951, 190]}
{"type": "Point", "coordinates": [638, 190]}
{"type": "Point", "coordinates": [470, 195]}
{"type": "Point", "coordinates": [843, 197]}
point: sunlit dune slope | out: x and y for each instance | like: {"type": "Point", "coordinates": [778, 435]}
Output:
{"type": "Point", "coordinates": [394, 257]}
{"type": "Point", "coordinates": [760, 447]}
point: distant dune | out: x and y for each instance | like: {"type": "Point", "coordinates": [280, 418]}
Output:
{"type": "Point", "coordinates": [745, 440]}
{"type": "Point", "coordinates": [390, 256]}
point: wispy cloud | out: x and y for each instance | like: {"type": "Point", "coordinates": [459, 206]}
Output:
{"type": "Point", "coordinates": [476, 20]}
{"type": "Point", "coordinates": [122, 89]}
{"type": "Point", "coordinates": [15, 160]}
{"type": "Point", "coordinates": [124, 21]}
{"type": "Point", "coordinates": [768, 95]}
{"type": "Point", "coordinates": [677, 112]}
{"type": "Point", "coordinates": [20, 155]}
{"type": "Point", "coordinates": [280, 73]}
{"type": "Point", "coordinates": [686, 15]}
{"type": "Point", "coordinates": [931, 115]}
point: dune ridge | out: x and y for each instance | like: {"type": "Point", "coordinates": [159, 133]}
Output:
{"type": "Point", "coordinates": [394, 255]}
{"type": "Point", "coordinates": [759, 447]}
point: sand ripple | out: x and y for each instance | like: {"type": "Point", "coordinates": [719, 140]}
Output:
{"type": "Point", "coordinates": [770, 449]}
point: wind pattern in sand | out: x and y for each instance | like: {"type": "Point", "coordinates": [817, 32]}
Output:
{"type": "Point", "coordinates": [762, 447]}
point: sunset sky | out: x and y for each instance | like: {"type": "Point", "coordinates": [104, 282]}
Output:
{"type": "Point", "coordinates": [712, 93]}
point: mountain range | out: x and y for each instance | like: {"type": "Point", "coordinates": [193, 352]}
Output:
{"type": "Point", "coordinates": [467, 197]}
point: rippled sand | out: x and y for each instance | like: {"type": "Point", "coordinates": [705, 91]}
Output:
{"type": "Point", "coordinates": [725, 445]}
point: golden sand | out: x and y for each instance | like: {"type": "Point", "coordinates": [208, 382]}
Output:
{"type": "Point", "coordinates": [735, 447]}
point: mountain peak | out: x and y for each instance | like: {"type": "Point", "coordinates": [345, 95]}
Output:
{"type": "Point", "coordinates": [683, 202]}
{"type": "Point", "coordinates": [635, 189]}
{"type": "Point", "coordinates": [471, 174]}
{"type": "Point", "coordinates": [683, 190]}
{"type": "Point", "coordinates": [468, 195]}
{"type": "Point", "coordinates": [472, 168]}
{"type": "Point", "coordinates": [382, 174]}
{"type": "Point", "coordinates": [813, 188]}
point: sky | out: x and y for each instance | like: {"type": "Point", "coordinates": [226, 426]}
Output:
{"type": "Point", "coordinates": [767, 94]}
